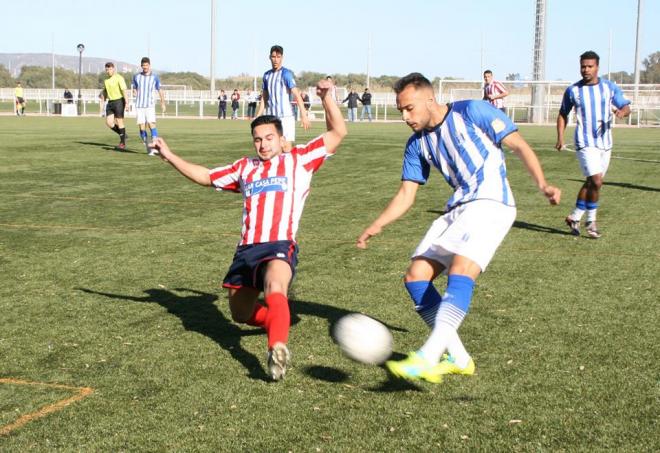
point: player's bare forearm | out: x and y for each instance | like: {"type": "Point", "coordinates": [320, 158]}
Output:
{"type": "Point", "coordinates": [196, 173]}
{"type": "Point", "coordinates": [304, 119]}
{"type": "Point", "coordinates": [397, 207]}
{"type": "Point", "coordinates": [334, 120]}
{"type": "Point", "coordinates": [522, 149]}
{"type": "Point", "coordinates": [561, 127]}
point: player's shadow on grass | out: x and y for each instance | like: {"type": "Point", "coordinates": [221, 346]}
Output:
{"type": "Point", "coordinates": [198, 313]}
{"type": "Point", "coordinates": [625, 185]}
{"type": "Point", "coordinates": [540, 228]}
{"type": "Point", "coordinates": [107, 147]}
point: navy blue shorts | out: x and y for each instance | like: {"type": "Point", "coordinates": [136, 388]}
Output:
{"type": "Point", "coordinates": [247, 269]}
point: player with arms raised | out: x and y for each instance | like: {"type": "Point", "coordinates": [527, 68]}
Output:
{"type": "Point", "coordinates": [463, 142]}
{"type": "Point", "coordinates": [274, 186]}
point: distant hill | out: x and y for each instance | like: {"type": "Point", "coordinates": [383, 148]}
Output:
{"type": "Point", "coordinates": [15, 61]}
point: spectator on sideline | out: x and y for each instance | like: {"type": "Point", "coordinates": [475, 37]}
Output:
{"type": "Point", "coordinates": [366, 104]}
{"type": "Point", "coordinates": [68, 96]}
{"type": "Point", "coordinates": [144, 85]}
{"type": "Point", "coordinates": [593, 135]}
{"type": "Point", "coordinates": [235, 97]}
{"type": "Point", "coordinates": [352, 105]}
{"type": "Point", "coordinates": [222, 105]}
{"type": "Point", "coordinates": [19, 100]}
{"type": "Point", "coordinates": [494, 91]}
{"type": "Point", "coordinates": [278, 84]}
{"type": "Point", "coordinates": [274, 186]}
{"type": "Point", "coordinates": [252, 99]}
{"type": "Point", "coordinates": [115, 93]}
{"type": "Point", "coordinates": [463, 141]}
{"type": "Point", "coordinates": [306, 102]}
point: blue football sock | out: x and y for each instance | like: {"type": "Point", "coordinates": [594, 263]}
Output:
{"type": "Point", "coordinates": [426, 299]}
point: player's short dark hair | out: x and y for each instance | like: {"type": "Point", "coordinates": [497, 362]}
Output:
{"type": "Point", "coordinates": [145, 60]}
{"type": "Point", "coordinates": [590, 55]}
{"type": "Point", "coordinates": [267, 119]}
{"type": "Point", "coordinates": [109, 64]}
{"type": "Point", "coordinates": [277, 49]}
{"type": "Point", "coordinates": [488, 71]}
{"type": "Point", "coordinates": [414, 78]}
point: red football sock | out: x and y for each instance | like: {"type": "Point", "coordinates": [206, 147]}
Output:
{"type": "Point", "coordinates": [258, 317]}
{"type": "Point", "coordinates": [278, 318]}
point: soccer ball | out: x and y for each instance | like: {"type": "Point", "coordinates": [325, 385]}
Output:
{"type": "Point", "coordinates": [363, 338]}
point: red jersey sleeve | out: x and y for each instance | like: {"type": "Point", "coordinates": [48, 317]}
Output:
{"type": "Point", "coordinates": [227, 177]}
{"type": "Point", "coordinates": [313, 154]}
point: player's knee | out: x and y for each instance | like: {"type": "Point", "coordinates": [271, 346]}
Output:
{"type": "Point", "coordinates": [595, 182]}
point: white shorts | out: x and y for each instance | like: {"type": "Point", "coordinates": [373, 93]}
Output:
{"type": "Point", "coordinates": [289, 127]}
{"type": "Point", "coordinates": [593, 160]}
{"type": "Point", "coordinates": [145, 115]}
{"type": "Point", "coordinates": [474, 230]}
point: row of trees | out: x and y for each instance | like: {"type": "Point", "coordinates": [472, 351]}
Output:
{"type": "Point", "coordinates": [41, 77]}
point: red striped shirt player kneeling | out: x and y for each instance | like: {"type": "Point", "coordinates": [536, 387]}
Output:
{"type": "Point", "coordinates": [274, 185]}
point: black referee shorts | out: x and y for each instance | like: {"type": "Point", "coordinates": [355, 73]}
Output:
{"type": "Point", "coordinates": [115, 108]}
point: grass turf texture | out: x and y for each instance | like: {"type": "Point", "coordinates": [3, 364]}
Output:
{"type": "Point", "coordinates": [111, 264]}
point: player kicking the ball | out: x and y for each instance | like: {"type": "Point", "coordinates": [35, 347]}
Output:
{"type": "Point", "coordinates": [463, 141]}
{"type": "Point", "coordinates": [274, 186]}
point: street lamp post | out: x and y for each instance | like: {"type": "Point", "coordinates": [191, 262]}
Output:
{"type": "Point", "coordinates": [81, 48]}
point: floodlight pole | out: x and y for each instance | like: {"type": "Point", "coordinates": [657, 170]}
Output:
{"type": "Point", "coordinates": [81, 48]}
{"type": "Point", "coordinates": [637, 46]}
{"type": "Point", "coordinates": [213, 13]}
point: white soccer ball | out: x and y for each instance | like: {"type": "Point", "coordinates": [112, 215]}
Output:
{"type": "Point", "coordinates": [363, 338]}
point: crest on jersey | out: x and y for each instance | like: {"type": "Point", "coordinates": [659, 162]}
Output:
{"type": "Point", "coordinates": [271, 184]}
{"type": "Point", "coordinates": [497, 125]}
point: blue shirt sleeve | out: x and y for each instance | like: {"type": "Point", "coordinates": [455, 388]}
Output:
{"type": "Point", "coordinates": [491, 120]}
{"type": "Point", "coordinates": [287, 76]}
{"type": "Point", "coordinates": [566, 103]}
{"type": "Point", "coordinates": [134, 81]}
{"type": "Point", "coordinates": [617, 99]}
{"type": "Point", "coordinates": [415, 166]}
{"type": "Point", "coordinates": [157, 82]}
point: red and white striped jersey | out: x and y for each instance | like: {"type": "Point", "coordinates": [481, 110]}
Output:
{"type": "Point", "coordinates": [274, 191]}
{"type": "Point", "coordinates": [494, 88]}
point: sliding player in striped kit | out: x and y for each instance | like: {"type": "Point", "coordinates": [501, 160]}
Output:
{"type": "Point", "coordinates": [144, 85]}
{"type": "Point", "coordinates": [274, 186]}
{"type": "Point", "coordinates": [278, 87]}
{"type": "Point", "coordinates": [463, 142]}
{"type": "Point", "coordinates": [592, 98]}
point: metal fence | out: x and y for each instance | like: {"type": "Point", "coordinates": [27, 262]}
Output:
{"type": "Point", "coordinates": [186, 103]}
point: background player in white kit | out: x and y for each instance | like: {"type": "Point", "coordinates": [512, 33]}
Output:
{"type": "Point", "coordinates": [278, 87]}
{"type": "Point", "coordinates": [145, 84]}
{"type": "Point", "coordinates": [463, 141]}
{"type": "Point", "coordinates": [274, 186]}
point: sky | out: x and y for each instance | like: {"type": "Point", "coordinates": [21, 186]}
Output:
{"type": "Point", "coordinates": [439, 38]}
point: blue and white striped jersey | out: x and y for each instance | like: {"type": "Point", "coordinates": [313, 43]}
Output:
{"type": "Point", "coordinates": [146, 85]}
{"type": "Point", "coordinates": [466, 149]}
{"type": "Point", "coordinates": [279, 84]}
{"type": "Point", "coordinates": [593, 111]}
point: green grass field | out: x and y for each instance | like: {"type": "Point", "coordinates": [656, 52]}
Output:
{"type": "Point", "coordinates": [111, 264]}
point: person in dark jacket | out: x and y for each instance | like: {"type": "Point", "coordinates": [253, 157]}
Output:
{"type": "Point", "coordinates": [366, 104]}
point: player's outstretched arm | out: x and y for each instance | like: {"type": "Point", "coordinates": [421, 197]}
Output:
{"type": "Point", "coordinates": [196, 173]}
{"type": "Point", "coordinates": [522, 149]}
{"type": "Point", "coordinates": [398, 206]}
{"type": "Point", "coordinates": [334, 121]}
